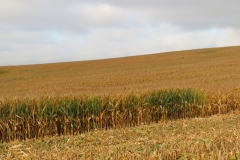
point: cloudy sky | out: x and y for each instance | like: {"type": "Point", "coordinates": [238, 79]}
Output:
{"type": "Point", "coordinates": [46, 31]}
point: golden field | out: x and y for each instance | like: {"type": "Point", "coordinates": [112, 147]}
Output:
{"type": "Point", "coordinates": [215, 68]}
{"type": "Point", "coordinates": [175, 105]}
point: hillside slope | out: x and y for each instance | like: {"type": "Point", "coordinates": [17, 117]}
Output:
{"type": "Point", "coordinates": [213, 68]}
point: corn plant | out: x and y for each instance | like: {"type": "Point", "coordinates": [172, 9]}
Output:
{"type": "Point", "coordinates": [30, 118]}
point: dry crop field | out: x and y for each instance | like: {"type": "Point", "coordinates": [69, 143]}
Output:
{"type": "Point", "coordinates": [176, 105]}
{"type": "Point", "coordinates": [215, 68]}
{"type": "Point", "coordinates": [216, 138]}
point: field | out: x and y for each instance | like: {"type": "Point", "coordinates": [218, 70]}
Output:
{"type": "Point", "coordinates": [176, 105]}
{"type": "Point", "coordinates": [208, 69]}
{"type": "Point", "coordinates": [215, 137]}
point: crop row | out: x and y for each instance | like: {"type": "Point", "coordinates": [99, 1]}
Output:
{"type": "Point", "coordinates": [36, 118]}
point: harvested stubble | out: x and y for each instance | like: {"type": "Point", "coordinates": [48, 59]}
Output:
{"type": "Point", "coordinates": [34, 118]}
{"type": "Point", "coordinates": [216, 138]}
{"type": "Point", "coordinates": [208, 69]}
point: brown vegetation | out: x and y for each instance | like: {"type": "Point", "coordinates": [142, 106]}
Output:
{"type": "Point", "coordinates": [216, 137]}
{"type": "Point", "coordinates": [215, 68]}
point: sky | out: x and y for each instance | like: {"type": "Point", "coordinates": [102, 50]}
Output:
{"type": "Point", "coordinates": [49, 31]}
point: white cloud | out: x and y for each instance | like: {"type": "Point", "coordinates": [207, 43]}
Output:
{"type": "Point", "coordinates": [231, 38]}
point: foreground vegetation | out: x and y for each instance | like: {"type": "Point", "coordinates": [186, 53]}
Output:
{"type": "Point", "coordinates": [34, 118]}
{"type": "Point", "coordinates": [160, 124]}
{"type": "Point", "coordinates": [215, 137]}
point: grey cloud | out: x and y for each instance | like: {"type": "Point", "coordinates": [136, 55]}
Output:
{"type": "Point", "coordinates": [61, 16]}
{"type": "Point", "coordinates": [42, 31]}
{"type": "Point", "coordinates": [188, 14]}
{"type": "Point", "coordinates": [83, 15]}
